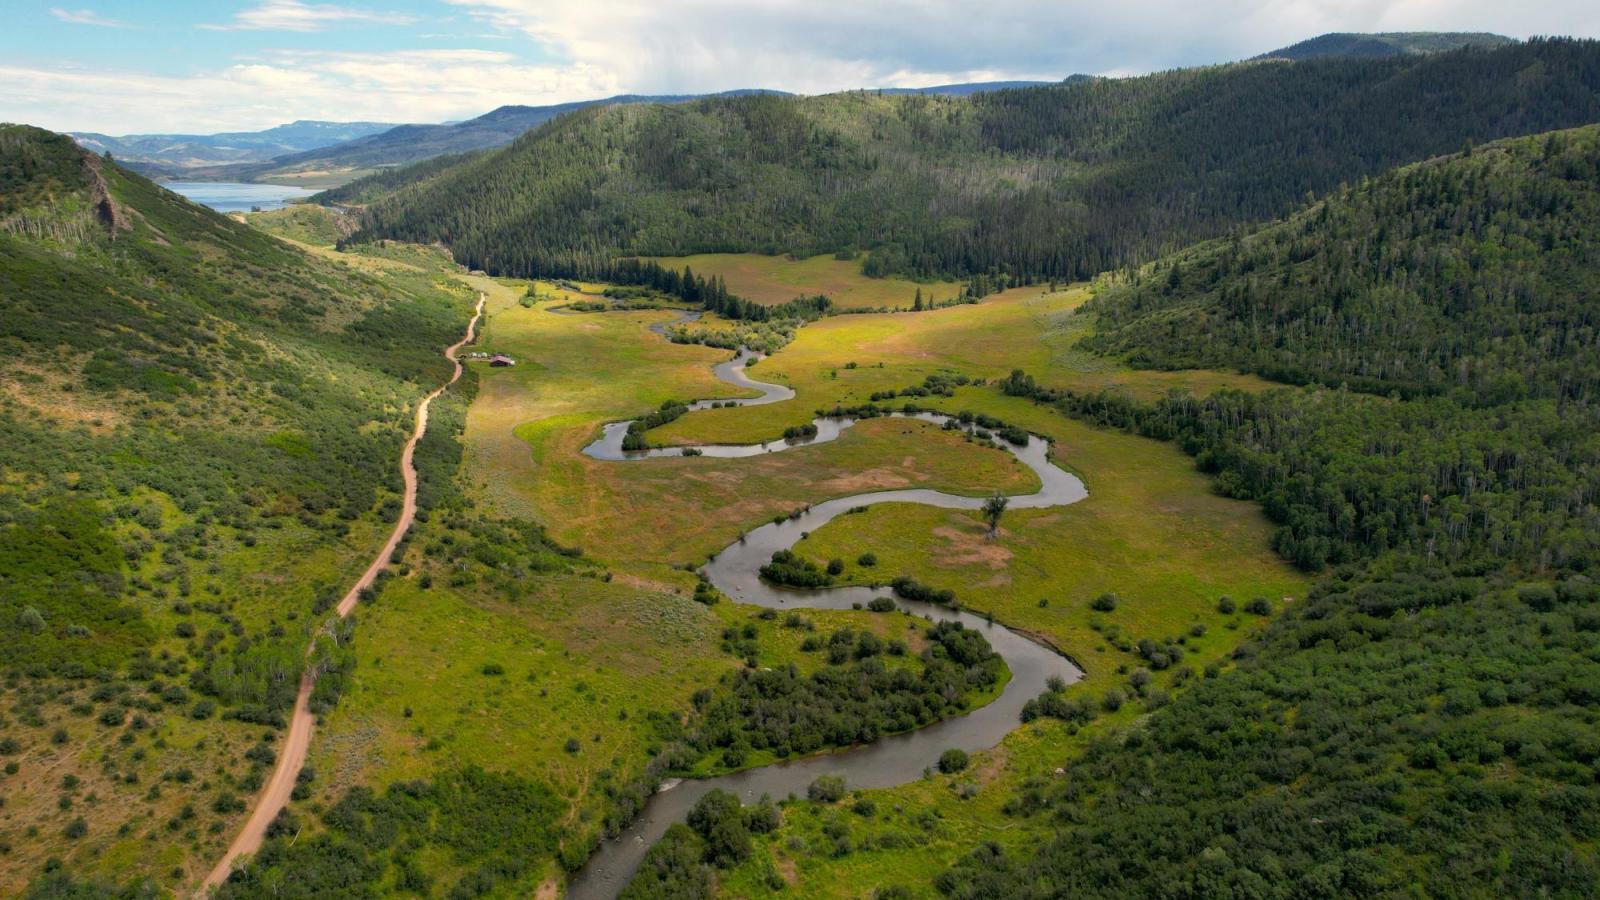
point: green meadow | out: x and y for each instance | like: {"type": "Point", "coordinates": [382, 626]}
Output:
{"type": "Point", "coordinates": [559, 671]}
{"type": "Point", "coordinates": [771, 280]}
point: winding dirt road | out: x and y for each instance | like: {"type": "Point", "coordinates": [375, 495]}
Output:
{"type": "Point", "coordinates": [292, 756]}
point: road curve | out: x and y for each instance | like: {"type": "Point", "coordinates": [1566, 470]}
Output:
{"type": "Point", "coordinates": [292, 756]}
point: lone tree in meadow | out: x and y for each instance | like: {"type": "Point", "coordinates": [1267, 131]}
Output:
{"type": "Point", "coordinates": [993, 509]}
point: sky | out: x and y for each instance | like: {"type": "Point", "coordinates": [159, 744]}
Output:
{"type": "Point", "coordinates": [202, 66]}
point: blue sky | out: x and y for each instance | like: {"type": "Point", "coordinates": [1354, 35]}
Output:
{"type": "Point", "coordinates": [119, 67]}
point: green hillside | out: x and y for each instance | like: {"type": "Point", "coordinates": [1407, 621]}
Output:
{"type": "Point", "coordinates": [1388, 43]}
{"type": "Point", "coordinates": [1475, 273]}
{"type": "Point", "coordinates": [1058, 182]}
{"type": "Point", "coordinates": [200, 426]}
{"type": "Point", "coordinates": [1426, 721]}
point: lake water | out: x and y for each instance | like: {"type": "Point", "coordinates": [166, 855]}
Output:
{"type": "Point", "coordinates": [228, 196]}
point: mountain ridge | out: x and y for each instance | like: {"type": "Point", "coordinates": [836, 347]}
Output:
{"type": "Point", "coordinates": [1385, 43]}
{"type": "Point", "coordinates": [190, 150]}
{"type": "Point", "coordinates": [930, 185]}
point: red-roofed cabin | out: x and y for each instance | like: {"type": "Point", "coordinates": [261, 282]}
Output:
{"type": "Point", "coordinates": [500, 359]}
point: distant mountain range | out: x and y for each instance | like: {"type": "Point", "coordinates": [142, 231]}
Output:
{"type": "Point", "coordinates": [402, 144]}
{"type": "Point", "coordinates": [1393, 43]}
{"type": "Point", "coordinates": [330, 153]}
{"type": "Point", "coordinates": [191, 150]}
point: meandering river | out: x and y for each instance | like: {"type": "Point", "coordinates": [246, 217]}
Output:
{"type": "Point", "coordinates": [735, 571]}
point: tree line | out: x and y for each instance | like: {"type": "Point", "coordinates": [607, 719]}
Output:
{"type": "Point", "coordinates": [1424, 719]}
{"type": "Point", "coordinates": [1055, 182]}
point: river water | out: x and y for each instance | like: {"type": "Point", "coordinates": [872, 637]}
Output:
{"type": "Point", "coordinates": [735, 571]}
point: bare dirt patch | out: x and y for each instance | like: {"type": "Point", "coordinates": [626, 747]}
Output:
{"type": "Point", "coordinates": [866, 480]}
{"type": "Point", "coordinates": [966, 547]}
{"type": "Point", "coordinates": [51, 394]}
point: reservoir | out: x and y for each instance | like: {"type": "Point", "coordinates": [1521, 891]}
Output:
{"type": "Point", "coordinates": [232, 196]}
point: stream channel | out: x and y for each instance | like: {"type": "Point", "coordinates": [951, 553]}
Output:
{"type": "Point", "coordinates": [891, 760]}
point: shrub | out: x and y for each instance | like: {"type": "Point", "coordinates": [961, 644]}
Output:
{"type": "Point", "coordinates": [788, 569]}
{"type": "Point", "coordinates": [706, 594]}
{"type": "Point", "coordinates": [826, 789]}
{"type": "Point", "coordinates": [835, 567]}
{"type": "Point", "coordinates": [1225, 605]}
{"type": "Point", "coordinates": [881, 604]}
{"type": "Point", "coordinates": [1259, 606]}
{"type": "Point", "coordinates": [764, 817]}
{"type": "Point", "coordinates": [1104, 603]}
{"type": "Point", "coordinates": [493, 668]}
{"type": "Point", "coordinates": [1539, 597]}
{"type": "Point", "coordinates": [76, 829]}
{"type": "Point", "coordinates": [953, 760]}
{"type": "Point", "coordinates": [867, 560]}
{"type": "Point", "coordinates": [719, 819]}
{"type": "Point", "coordinates": [911, 589]}
{"type": "Point", "coordinates": [31, 620]}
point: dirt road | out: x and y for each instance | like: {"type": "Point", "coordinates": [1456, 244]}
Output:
{"type": "Point", "coordinates": [292, 756]}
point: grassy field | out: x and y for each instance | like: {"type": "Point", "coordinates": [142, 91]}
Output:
{"type": "Point", "coordinates": [462, 673]}
{"type": "Point", "coordinates": [1151, 531]}
{"type": "Point", "coordinates": [578, 650]}
{"type": "Point", "coordinates": [582, 659]}
{"type": "Point", "coordinates": [316, 180]}
{"type": "Point", "coordinates": [771, 280]}
{"type": "Point", "coordinates": [527, 429]}
{"type": "Point", "coordinates": [302, 223]}
{"type": "Point", "coordinates": [1023, 328]}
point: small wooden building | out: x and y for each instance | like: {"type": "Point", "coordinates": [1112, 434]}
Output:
{"type": "Point", "coordinates": [500, 359]}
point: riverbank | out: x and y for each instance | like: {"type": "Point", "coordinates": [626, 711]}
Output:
{"type": "Point", "coordinates": [736, 572]}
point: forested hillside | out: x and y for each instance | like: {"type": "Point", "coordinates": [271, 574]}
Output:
{"type": "Point", "coordinates": [1058, 182]}
{"type": "Point", "coordinates": [200, 427]}
{"type": "Point", "coordinates": [1428, 720]}
{"type": "Point", "coordinates": [1386, 43]}
{"type": "Point", "coordinates": [1477, 274]}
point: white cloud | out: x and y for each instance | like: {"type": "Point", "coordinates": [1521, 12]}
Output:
{"type": "Point", "coordinates": [292, 15]}
{"type": "Point", "coordinates": [86, 17]}
{"type": "Point", "coordinates": [595, 48]}
{"type": "Point", "coordinates": [403, 86]}
{"type": "Point", "coordinates": [821, 45]}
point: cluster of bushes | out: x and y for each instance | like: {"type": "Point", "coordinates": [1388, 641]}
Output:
{"type": "Point", "coordinates": [669, 411]}
{"type": "Point", "coordinates": [853, 699]}
{"type": "Point", "coordinates": [497, 827]}
{"type": "Point", "coordinates": [909, 588]}
{"type": "Point", "coordinates": [939, 384]}
{"type": "Point", "coordinates": [762, 337]}
{"type": "Point", "coordinates": [717, 834]}
{"type": "Point", "coordinates": [791, 570]}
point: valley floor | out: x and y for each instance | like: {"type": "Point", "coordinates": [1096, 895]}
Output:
{"type": "Point", "coordinates": [559, 669]}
